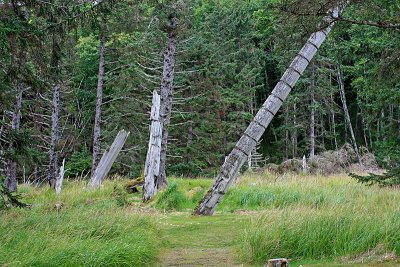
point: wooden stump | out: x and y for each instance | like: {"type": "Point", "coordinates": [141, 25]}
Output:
{"type": "Point", "coordinates": [281, 262]}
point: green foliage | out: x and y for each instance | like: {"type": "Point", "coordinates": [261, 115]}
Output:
{"type": "Point", "coordinates": [9, 199]}
{"type": "Point", "coordinates": [390, 178]}
{"type": "Point", "coordinates": [230, 56]}
{"type": "Point", "coordinates": [120, 194]}
{"type": "Point", "coordinates": [78, 163]}
{"type": "Point", "coordinates": [388, 152]}
{"type": "Point", "coordinates": [171, 198]}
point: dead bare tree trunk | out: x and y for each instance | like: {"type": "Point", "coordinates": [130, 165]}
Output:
{"type": "Point", "coordinates": [312, 115]}
{"type": "Point", "coordinates": [364, 132]}
{"type": "Point", "coordinates": [152, 166]}
{"type": "Point", "coordinates": [346, 110]}
{"type": "Point", "coordinates": [255, 130]}
{"type": "Point", "coordinates": [294, 132]}
{"type": "Point", "coordinates": [53, 153]}
{"type": "Point", "coordinates": [11, 174]}
{"type": "Point", "coordinates": [99, 101]}
{"type": "Point", "coordinates": [334, 124]}
{"type": "Point", "coordinates": [286, 157]}
{"type": "Point", "coordinates": [166, 92]}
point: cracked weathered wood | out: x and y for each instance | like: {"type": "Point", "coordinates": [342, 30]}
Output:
{"type": "Point", "coordinates": [255, 130]}
{"type": "Point", "coordinates": [108, 159]}
{"type": "Point", "coordinates": [152, 165]}
{"type": "Point", "coordinates": [60, 178]}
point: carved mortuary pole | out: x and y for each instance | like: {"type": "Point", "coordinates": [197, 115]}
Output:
{"type": "Point", "coordinates": [152, 165]}
{"type": "Point", "coordinates": [107, 160]}
{"type": "Point", "coordinates": [255, 130]}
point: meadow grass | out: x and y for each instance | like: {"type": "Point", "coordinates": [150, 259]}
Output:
{"type": "Point", "coordinates": [318, 218]}
{"type": "Point", "coordinates": [90, 229]}
{"type": "Point", "coordinates": [303, 217]}
{"type": "Point", "coordinates": [310, 219]}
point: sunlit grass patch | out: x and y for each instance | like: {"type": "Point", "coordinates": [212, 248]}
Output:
{"type": "Point", "coordinates": [79, 227]}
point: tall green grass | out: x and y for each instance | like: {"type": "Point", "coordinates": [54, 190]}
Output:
{"type": "Point", "coordinates": [318, 234]}
{"type": "Point", "coordinates": [303, 217]}
{"type": "Point", "coordinates": [319, 218]}
{"type": "Point", "coordinates": [91, 229]}
{"type": "Point", "coordinates": [299, 217]}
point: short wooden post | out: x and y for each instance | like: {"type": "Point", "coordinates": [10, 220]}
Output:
{"type": "Point", "coordinates": [305, 167]}
{"type": "Point", "coordinates": [281, 262]}
{"type": "Point", "coordinates": [152, 165]}
{"type": "Point", "coordinates": [60, 178]}
{"type": "Point", "coordinates": [107, 160]}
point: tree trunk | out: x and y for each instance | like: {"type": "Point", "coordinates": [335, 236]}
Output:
{"type": "Point", "coordinates": [152, 166]}
{"type": "Point", "coordinates": [255, 130]}
{"type": "Point", "coordinates": [312, 114]}
{"type": "Point", "coordinates": [294, 132]}
{"type": "Point", "coordinates": [382, 124]}
{"type": "Point", "coordinates": [53, 154]}
{"type": "Point", "coordinates": [364, 132]}
{"type": "Point", "coordinates": [346, 111]}
{"type": "Point", "coordinates": [286, 133]}
{"type": "Point", "coordinates": [11, 174]}
{"type": "Point", "coordinates": [99, 100]}
{"type": "Point", "coordinates": [334, 124]}
{"type": "Point", "coordinates": [166, 92]}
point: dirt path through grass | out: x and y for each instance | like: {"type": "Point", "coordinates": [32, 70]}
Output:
{"type": "Point", "coordinates": [201, 241]}
{"type": "Point", "coordinates": [214, 241]}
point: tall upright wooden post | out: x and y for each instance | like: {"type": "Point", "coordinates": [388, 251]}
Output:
{"type": "Point", "coordinates": [152, 165]}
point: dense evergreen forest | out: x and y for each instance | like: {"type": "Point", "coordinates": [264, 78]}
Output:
{"type": "Point", "coordinates": [74, 73]}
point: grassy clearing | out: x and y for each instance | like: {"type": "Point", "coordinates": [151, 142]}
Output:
{"type": "Point", "coordinates": [320, 218]}
{"type": "Point", "coordinates": [90, 229]}
{"type": "Point", "coordinates": [316, 221]}
{"type": "Point", "coordinates": [304, 218]}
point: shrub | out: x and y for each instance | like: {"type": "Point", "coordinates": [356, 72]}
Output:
{"type": "Point", "coordinates": [120, 195]}
{"type": "Point", "coordinates": [171, 198]}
